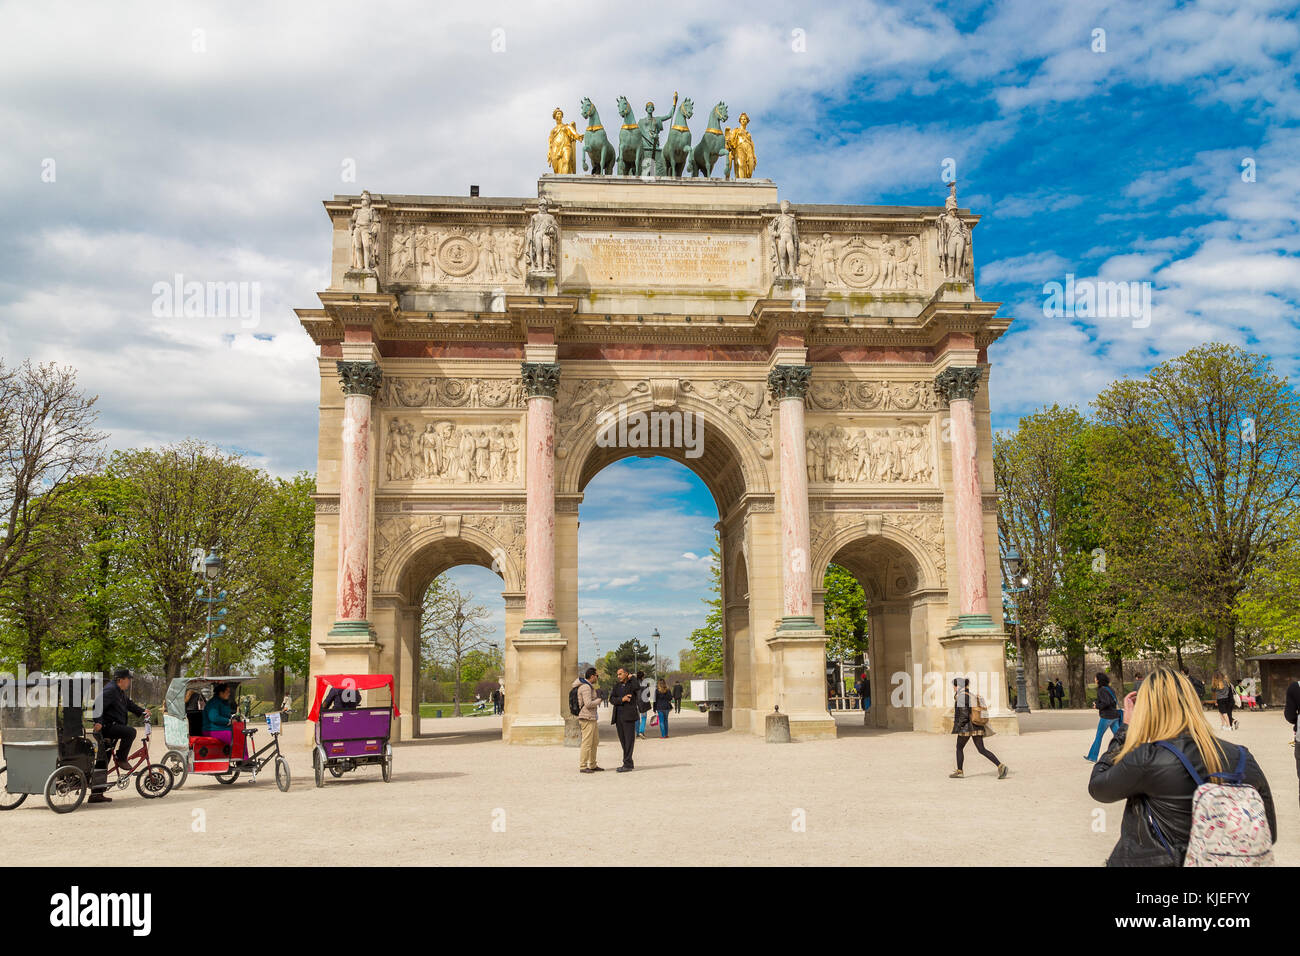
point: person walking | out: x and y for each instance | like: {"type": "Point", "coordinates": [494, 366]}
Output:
{"type": "Point", "coordinates": [625, 698]}
{"type": "Point", "coordinates": [677, 697]}
{"type": "Point", "coordinates": [588, 721]}
{"type": "Point", "coordinates": [968, 724]}
{"type": "Point", "coordinates": [1165, 734]}
{"type": "Point", "coordinates": [1060, 694]}
{"type": "Point", "coordinates": [1291, 714]}
{"type": "Point", "coordinates": [1051, 694]}
{"type": "Point", "coordinates": [663, 705]}
{"type": "Point", "coordinates": [1109, 715]}
{"type": "Point", "coordinates": [1223, 700]}
{"type": "Point", "coordinates": [642, 704]}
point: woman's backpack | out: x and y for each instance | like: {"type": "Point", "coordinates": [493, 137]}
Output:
{"type": "Point", "coordinates": [1229, 820]}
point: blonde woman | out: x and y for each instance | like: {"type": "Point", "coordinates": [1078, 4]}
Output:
{"type": "Point", "coordinates": [1153, 781]}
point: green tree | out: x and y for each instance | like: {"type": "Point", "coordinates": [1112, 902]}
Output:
{"type": "Point", "coordinates": [282, 559]}
{"type": "Point", "coordinates": [1230, 429]}
{"type": "Point", "coordinates": [845, 606]}
{"type": "Point", "coordinates": [1269, 607]}
{"type": "Point", "coordinates": [707, 639]}
{"type": "Point", "coordinates": [451, 629]}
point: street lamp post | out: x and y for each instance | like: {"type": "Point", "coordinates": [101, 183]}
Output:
{"type": "Point", "coordinates": [212, 566]}
{"type": "Point", "coordinates": [1012, 561]}
{"type": "Point", "coordinates": [654, 636]}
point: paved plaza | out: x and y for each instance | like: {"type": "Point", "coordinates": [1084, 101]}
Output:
{"type": "Point", "coordinates": [704, 796]}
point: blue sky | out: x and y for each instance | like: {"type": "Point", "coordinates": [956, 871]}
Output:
{"type": "Point", "coordinates": [199, 139]}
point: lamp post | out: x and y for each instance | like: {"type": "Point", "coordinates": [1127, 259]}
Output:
{"type": "Point", "coordinates": [654, 637]}
{"type": "Point", "coordinates": [1012, 562]}
{"type": "Point", "coordinates": [212, 566]}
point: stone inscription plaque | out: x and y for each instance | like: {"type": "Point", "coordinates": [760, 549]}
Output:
{"type": "Point", "coordinates": [621, 260]}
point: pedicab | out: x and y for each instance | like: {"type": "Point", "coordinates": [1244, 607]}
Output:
{"type": "Point", "coordinates": [47, 751]}
{"type": "Point", "coordinates": [193, 750]}
{"type": "Point", "coordinates": [354, 736]}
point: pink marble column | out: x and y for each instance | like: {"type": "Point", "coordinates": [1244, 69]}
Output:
{"type": "Point", "coordinates": [541, 380]}
{"type": "Point", "coordinates": [958, 385]}
{"type": "Point", "coordinates": [789, 385]}
{"type": "Point", "coordinates": [360, 382]}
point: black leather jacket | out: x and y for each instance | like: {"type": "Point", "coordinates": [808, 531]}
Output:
{"type": "Point", "coordinates": [1152, 779]}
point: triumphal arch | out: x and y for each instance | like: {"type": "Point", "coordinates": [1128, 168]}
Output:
{"type": "Point", "coordinates": [478, 357]}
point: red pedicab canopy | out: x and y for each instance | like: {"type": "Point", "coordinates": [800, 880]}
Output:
{"type": "Point", "coordinates": [352, 682]}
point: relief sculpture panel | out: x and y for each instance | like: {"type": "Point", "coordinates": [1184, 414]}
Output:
{"type": "Point", "coordinates": [452, 453]}
{"type": "Point", "coordinates": [871, 455]}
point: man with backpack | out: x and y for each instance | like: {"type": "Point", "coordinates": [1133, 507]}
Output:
{"type": "Point", "coordinates": [583, 702]}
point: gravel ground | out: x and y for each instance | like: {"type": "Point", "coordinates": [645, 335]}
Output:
{"type": "Point", "coordinates": [706, 796]}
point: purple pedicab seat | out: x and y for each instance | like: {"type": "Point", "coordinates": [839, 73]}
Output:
{"type": "Point", "coordinates": [354, 733]}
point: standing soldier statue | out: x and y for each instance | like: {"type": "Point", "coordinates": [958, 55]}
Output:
{"type": "Point", "coordinates": [541, 238]}
{"type": "Point", "coordinates": [954, 239]}
{"type": "Point", "coordinates": [364, 231]}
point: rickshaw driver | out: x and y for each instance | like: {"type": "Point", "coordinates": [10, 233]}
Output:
{"type": "Point", "coordinates": [217, 713]}
{"type": "Point", "coordinates": [110, 715]}
{"type": "Point", "coordinates": [342, 698]}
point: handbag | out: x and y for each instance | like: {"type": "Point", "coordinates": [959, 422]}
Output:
{"type": "Point", "coordinates": [654, 721]}
{"type": "Point", "coordinates": [979, 714]}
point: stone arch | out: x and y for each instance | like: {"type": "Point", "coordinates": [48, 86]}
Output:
{"type": "Point", "coordinates": [886, 539]}
{"type": "Point", "coordinates": [730, 468]}
{"type": "Point", "coordinates": [423, 553]}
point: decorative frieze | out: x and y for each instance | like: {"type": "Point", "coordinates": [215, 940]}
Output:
{"type": "Point", "coordinates": [433, 392]}
{"type": "Point", "coordinates": [881, 455]}
{"type": "Point", "coordinates": [835, 395]}
{"type": "Point", "coordinates": [443, 452]}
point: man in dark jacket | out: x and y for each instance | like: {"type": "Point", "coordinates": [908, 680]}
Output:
{"type": "Point", "coordinates": [1291, 713]}
{"type": "Point", "coordinates": [110, 715]}
{"type": "Point", "coordinates": [626, 698]}
{"type": "Point", "coordinates": [677, 697]}
{"type": "Point", "coordinates": [342, 698]}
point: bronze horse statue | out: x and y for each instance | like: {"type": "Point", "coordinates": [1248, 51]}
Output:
{"type": "Point", "coordinates": [595, 144]}
{"type": "Point", "coordinates": [677, 147]}
{"type": "Point", "coordinates": [629, 138]}
{"type": "Point", "coordinates": [711, 146]}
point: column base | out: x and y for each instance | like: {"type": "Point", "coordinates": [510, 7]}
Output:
{"type": "Point", "coordinates": [534, 703]}
{"type": "Point", "coordinates": [798, 670]}
{"type": "Point", "coordinates": [977, 650]}
{"type": "Point", "coordinates": [539, 625]}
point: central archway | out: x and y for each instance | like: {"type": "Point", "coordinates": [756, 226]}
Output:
{"type": "Point", "coordinates": [732, 461]}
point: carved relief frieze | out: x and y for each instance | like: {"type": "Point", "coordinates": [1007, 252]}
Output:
{"type": "Point", "coordinates": [433, 392]}
{"type": "Point", "coordinates": [883, 396]}
{"type": "Point", "coordinates": [435, 451]}
{"type": "Point", "coordinates": [875, 455]}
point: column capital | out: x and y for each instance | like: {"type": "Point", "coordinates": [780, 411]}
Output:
{"type": "Point", "coordinates": [789, 381]}
{"type": "Point", "coordinates": [958, 382]}
{"type": "Point", "coordinates": [541, 379]}
{"type": "Point", "coordinates": [359, 378]}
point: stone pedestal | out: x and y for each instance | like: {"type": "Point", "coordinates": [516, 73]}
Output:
{"type": "Point", "coordinates": [778, 728]}
{"type": "Point", "coordinates": [799, 669]}
{"type": "Point", "coordinates": [534, 697]}
{"type": "Point", "coordinates": [572, 731]}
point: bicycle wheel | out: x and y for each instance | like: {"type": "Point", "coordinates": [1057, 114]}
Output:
{"type": "Point", "coordinates": [318, 767]}
{"type": "Point", "coordinates": [387, 767]}
{"type": "Point", "coordinates": [65, 789]}
{"type": "Point", "coordinates": [154, 781]}
{"type": "Point", "coordinates": [177, 762]}
{"type": "Point", "coordinates": [282, 778]}
{"type": "Point", "coordinates": [229, 777]}
{"type": "Point", "coordinates": [8, 801]}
